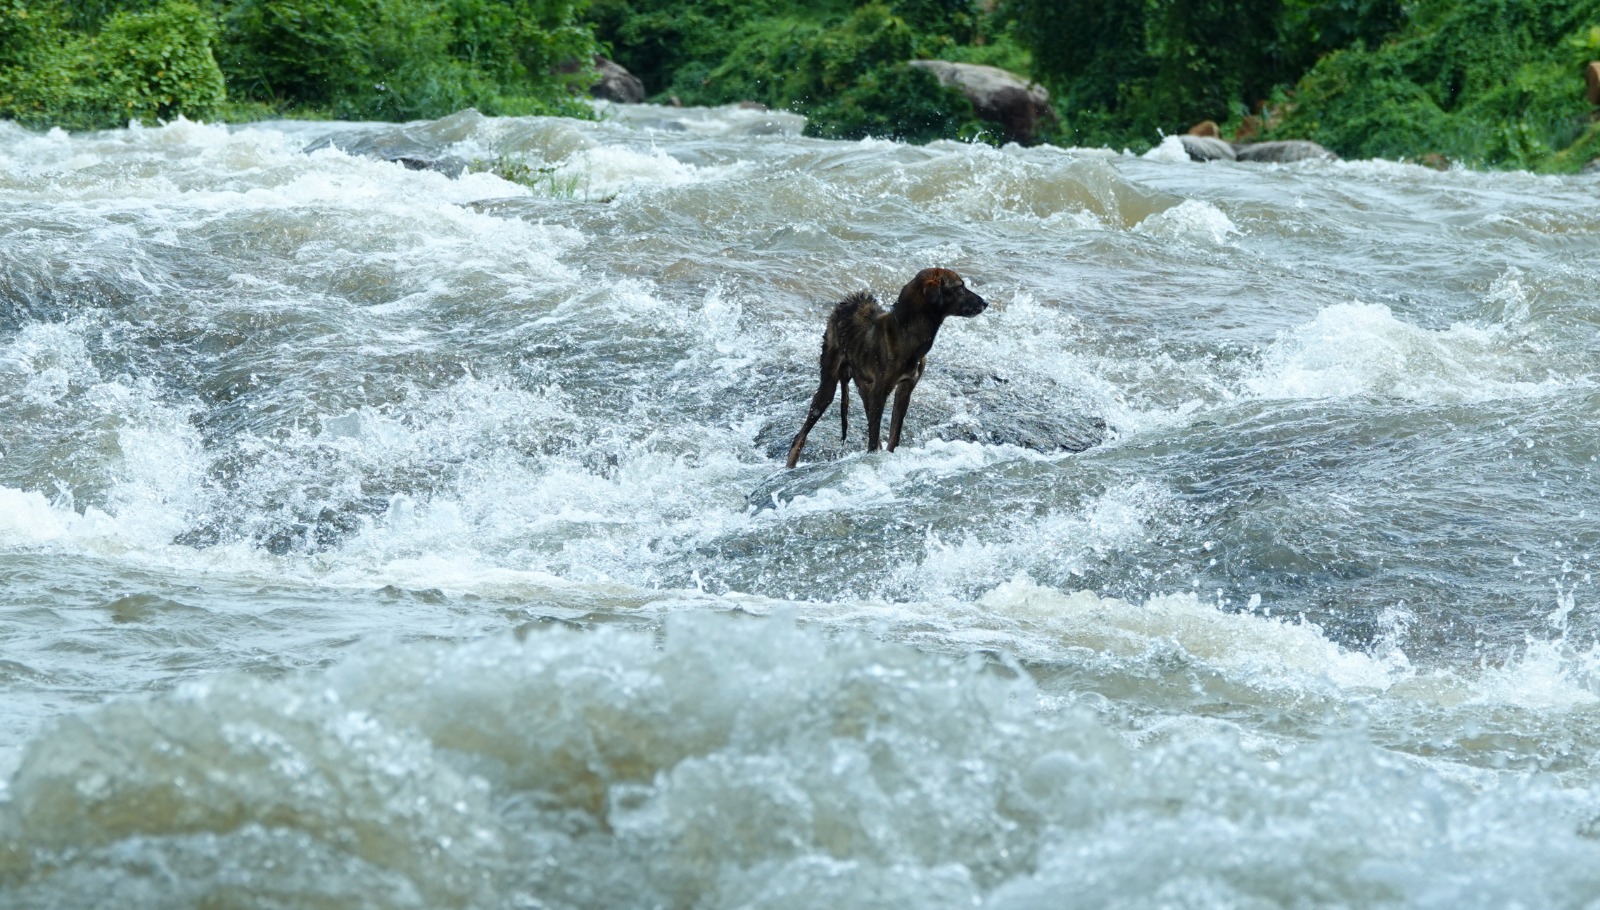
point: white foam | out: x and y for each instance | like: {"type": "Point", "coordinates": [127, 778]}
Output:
{"type": "Point", "coordinates": [1191, 219]}
{"type": "Point", "coordinates": [1253, 648]}
{"type": "Point", "coordinates": [1356, 349]}
{"type": "Point", "coordinates": [1170, 150]}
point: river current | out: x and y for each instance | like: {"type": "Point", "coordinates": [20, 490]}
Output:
{"type": "Point", "coordinates": [377, 532]}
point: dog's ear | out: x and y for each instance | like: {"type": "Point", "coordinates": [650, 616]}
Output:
{"type": "Point", "coordinates": [933, 291]}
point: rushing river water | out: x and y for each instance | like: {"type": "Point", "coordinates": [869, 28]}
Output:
{"type": "Point", "coordinates": [376, 532]}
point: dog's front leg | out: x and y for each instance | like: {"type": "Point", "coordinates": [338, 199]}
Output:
{"type": "Point", "coordinates": [873, 399]}
{"type": "Point", "coordinates": [844, 410]}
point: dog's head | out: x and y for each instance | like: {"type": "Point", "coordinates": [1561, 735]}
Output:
{"type": "Point", "coordinates": [944, 293]}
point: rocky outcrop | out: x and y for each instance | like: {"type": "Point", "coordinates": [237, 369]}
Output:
{"type": "Point", "coordinates": [1207, 148]}
{"type": "Point", "coordinates": [1204, 142]}
{"type": "Point", "coordinates": [616, 83]}
{"type": "Point", "coordinates": [989, 409]}
{"type": "Point", "coordinates": [1019, 107]}
{"type": "Point", "coordinates": [1283, 152]}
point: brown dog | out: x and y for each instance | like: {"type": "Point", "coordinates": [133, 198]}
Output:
{"type": "Point", "coordinates": [884, 352]}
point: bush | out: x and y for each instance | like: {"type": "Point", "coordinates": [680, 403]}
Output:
{"type": "Point", "coordinates": [850, 79]}
{"type": "Point", "coordinates": [144, 66]}
{"type": "Point", "coordinates": [1490, 82]}
{"type": "Point", "coordinates": [405, 59]}
{"type": "Point", "coordinates": [1124, 71]}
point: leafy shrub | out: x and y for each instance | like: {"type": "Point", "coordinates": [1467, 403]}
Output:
{"type": "Point", "coordinates": [1495, 82]}
{"type": "Point", "coordinates": [404, 59]}
{"type": "Point", "coordinates": [1123, 71]}
{"type": "Point", "coordinates": [850, 79]}
{"type": "Point", "coordinates": [144, 66]}
{"type": "Point", "coordinates": [897, 102]}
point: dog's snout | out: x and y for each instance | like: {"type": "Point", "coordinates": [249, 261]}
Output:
{"type": "Point", "coordinates": [971, 304]}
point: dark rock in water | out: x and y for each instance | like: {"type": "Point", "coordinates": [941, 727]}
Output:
{"type": "Point", "coordinates": [304, 533]}
{"type": "Point", "coordinates": [616, 83]}
{"type": "Point", "coordinates": [1283, 152]}
{"type": "Point", "coordinates": [395, 147]}
{"type": "Point", "coordinates": [1207, 148]}
{"type": "Point", "coordinates": [1019, 106]}
{"type": "Point", "coordinates": [1039, 433]}
{"type": "Point", "coordinates": [1032, 415]}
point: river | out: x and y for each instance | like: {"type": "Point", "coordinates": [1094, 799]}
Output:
{"type": "Point", "coordinates": [379, 532]}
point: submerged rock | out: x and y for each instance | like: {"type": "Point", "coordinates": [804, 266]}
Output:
{"type": "Point", "coordinates": [987, 409]}
{"type": "Point", "coordinates": [1207, 148]}
{"type": "Point", "coordinates": [1284, 152]}
{"type": "Point", "coordinates": [1019, 106]}
{"type": "Point", "coordinates": [1203, 145]}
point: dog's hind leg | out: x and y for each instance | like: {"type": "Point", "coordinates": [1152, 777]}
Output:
{"type": "Point", "coordinates": [819, 406]}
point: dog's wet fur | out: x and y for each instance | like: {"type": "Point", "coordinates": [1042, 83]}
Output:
{"type": "Point", "coordinates": [883, 352]}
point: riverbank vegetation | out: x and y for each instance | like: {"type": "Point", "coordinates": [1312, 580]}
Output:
{"type": "Point", "coordinates": [1493, 83]}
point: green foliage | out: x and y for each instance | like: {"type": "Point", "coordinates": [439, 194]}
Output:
{"type": "Point", "coordinates": [897, 102]}
{"type": "Point", "coordinates": [1491, 82]}
{"type": "Point", "coordinates": [144, 66]}
{"type": "Point", "coordinates": [404, 59]}
{"type": "Point", "coordinates": [358, 59]}
{"type": "Point", "coordinates": [544, 179]}
{"type": "Point", "coordinates": [96, 63]}
{"type": "Point", "coordinates": [844, 68]}
{"type": "Point", "coordinates": [1124, 71]}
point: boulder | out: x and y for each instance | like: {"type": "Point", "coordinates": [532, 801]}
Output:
{"type": "Point", "coordinates": [1591, 78]}
{"type": "Point", "coordinates": [1018, 106]}
{"type": "Point", "coordinates": [1207, 148]}
{"type": "Point", "coordinates": [1283, 152]}
{"type": "Point", "coordinates": [1206, 128]}
{"type": "Point", "coordinates": [616, 83]}
{"type": "Point", "coordinates": [986, 408]}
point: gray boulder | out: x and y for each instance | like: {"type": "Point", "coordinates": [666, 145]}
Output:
{"type": "Point", "coordinates": [1018, 106]}
{"type": "Point", "coordinates": [616, 83]}
{"type": "Point", "coordinates": [1283, 152]}
{"type": "Point", "coordinates": [1207, 148]}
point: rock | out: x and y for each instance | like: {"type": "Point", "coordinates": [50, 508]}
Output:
{"type": "Point", "coordinates": [1018, 106]}
{"type": "Point", "coordinates": [1206, 128]}
{"type": "Point", "coordinates": [1591, 77]}
{"type": "Point", "coordinates": [1207, 148]}
{"type": "Point", "coordinates": [616, 83]}
{"type": "Point", "coordinates": [1283, 152]}
{"type": "Point", "coordinates": [985, 408]}
{"type": "Point", "coordinates": [1593, 167]}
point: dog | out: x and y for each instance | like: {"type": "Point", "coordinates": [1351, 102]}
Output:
{"type": "Point", "coordinates": [883, 352]}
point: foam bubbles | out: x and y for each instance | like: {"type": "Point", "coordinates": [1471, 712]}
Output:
{"type": "Point", "coordinates": [1170, 150]}
{"type": "Point", "coordinates": [1355, 349]}
{"type": "Point", "coordinates": [1191, 219]}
